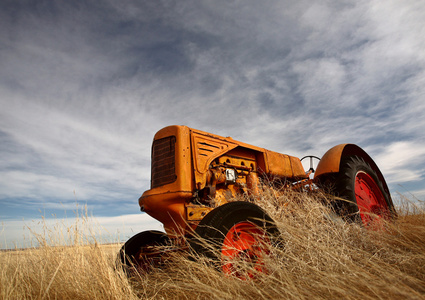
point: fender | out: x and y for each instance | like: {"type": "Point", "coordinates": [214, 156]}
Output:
{"type": "Point", "coordinates": [331, 160]}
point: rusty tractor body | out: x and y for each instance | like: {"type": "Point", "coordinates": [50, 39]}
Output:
{"type": "Point", "coordinates": [195, 173]}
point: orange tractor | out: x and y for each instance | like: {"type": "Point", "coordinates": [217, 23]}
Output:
{"type": "Point", "coordinates": [195, 173]}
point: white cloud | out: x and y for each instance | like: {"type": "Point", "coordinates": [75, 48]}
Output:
{"type": "Point", "coordinates": [72, 153]}
{"type": "Point", "coordinates": [322, 82]}
{"type": "Point", "coordinates": [402, 161]}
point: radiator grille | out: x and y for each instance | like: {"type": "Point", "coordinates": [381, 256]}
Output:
{"type": "Point", "coordinates": [163, 161]}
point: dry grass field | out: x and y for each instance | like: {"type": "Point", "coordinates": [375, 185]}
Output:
{"type": "Point", "coordinates": [317, 257]}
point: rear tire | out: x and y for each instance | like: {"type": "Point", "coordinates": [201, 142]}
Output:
{"type": "Point", "coordinates": [142, 252]}
{"type": "Point", "coordinates": [367, 202]}
{"type": "Point", "coordinates": [235, 236]}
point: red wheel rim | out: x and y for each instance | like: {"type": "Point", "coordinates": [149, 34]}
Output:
{"type": "Point", "coordinates": [243, 251]}
{"type": "Point", "coordinates": [372, 205]}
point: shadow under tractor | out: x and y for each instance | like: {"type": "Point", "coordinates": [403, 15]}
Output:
{"type": "Point", "coordinates": [195, 173]}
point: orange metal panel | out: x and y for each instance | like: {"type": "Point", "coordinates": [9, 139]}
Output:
{"type": "Point", "coordinates": [197, 212]}
{"type": "Point", "coordinates": [168, 208]}
{"type": "Point", "coordinates": [183, 159]}
{"type": "Point", "coordinates": [278, 164]}
{"type": "Point", "coordinates": [329, 163]}
{"type": "Point", "coordinates": [167, 203]}
{"type": "Point", "coordinates": [205, 148]}
{"type": "Point", "coordinates": [297, 167]}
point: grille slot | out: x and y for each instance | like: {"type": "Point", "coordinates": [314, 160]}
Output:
{"type": "Point", "coordinates": [163, 161]}
{"type": "Point", "coordinates": [205, 149]}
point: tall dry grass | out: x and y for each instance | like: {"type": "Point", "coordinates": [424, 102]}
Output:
{"type": "Point", "coordinates": [318, 256]}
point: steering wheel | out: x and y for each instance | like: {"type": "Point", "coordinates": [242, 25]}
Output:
{"type": "Point", "coordinates": [311, 162]}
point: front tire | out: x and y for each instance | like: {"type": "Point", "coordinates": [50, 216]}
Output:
{"type": "Point", "coordinates": [236, 236]}
{"type": "Point", "coordinates": [142, 252]}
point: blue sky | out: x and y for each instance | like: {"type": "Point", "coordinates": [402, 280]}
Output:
{"type": "Point", "coordinates": [84, 85]}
